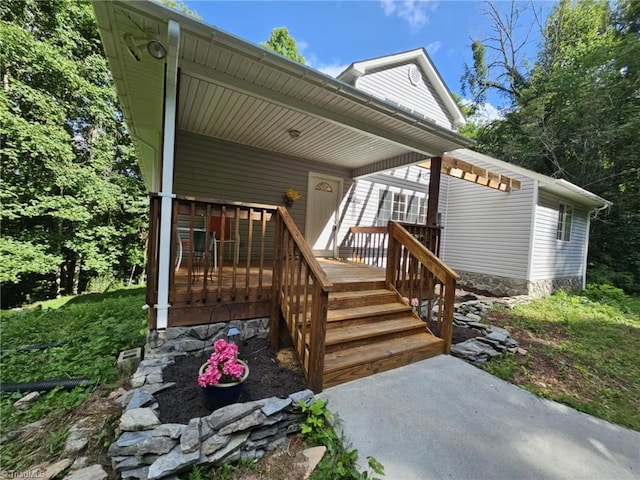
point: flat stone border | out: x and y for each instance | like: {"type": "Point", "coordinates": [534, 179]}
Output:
{"type": "Point", "coordinates": [147, 449]}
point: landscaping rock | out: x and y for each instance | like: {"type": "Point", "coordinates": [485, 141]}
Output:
{"type": "Point", "coordinates": [304, 395]}
{"type": "Point", "coordinates": [311, 458]}
{"type": "Point", "coordinates": [155, 445]}
{"type": "Point", "coordinates": [138, 419]}
{"type": "Point", "coordinates": [140, 398]}
{"type": "Point", "coordinates": [254, 419]}
{"type": "Point", "coordinates": [55, 469]}
{"type": "Point", "coordinates": [94, 472]}
{"type": "Point", "coordinates": [26, 402]}
{"type": "Point", "coordinates": [190, 439]}
{"type": "Point", "coordinates": [235, 442]}
{"type": "Point", "coordinates": [474, 351]}
{"type": "Point", "coordinates": [231, 413]}
{"type": "Point", "coordinates": [275, 405]}
{"type": "Point", "coordinates": [214, 443]}
{"type": "Point", "coordinates": [173, 462]}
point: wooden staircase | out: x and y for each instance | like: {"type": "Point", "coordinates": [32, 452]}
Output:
{"type": "Point", "coordinates": [370, 330]}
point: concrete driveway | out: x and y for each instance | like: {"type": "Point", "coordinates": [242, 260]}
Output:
{"type": "Point", "coordinates": [443, 418]}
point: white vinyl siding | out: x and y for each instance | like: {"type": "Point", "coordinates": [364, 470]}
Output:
{"type": "Point", "coordinates": [487, 231]}
{"type": "Point", "coordinates": [361, 205]}
{"type": "Point", "coordinates": [554, 258]}
{"type": "Point", "coordinates": [392, 84]}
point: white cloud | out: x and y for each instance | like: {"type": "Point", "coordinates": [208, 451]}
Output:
{"type": "Point", "coordinates": [433, 47]}
{"type": "Point", "coordinates": [414, 12]}
{"type": "Point", "coordinates": [329, 68]}
{"type": "Point", "coordinates": [484, 114]}
{"type": "Point", "coordinates": [333, 69]}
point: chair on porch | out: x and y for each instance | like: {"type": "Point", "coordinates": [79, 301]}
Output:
{"type": "Point", "coordinates": [197, 250]}
{"type": "Point", "coordinates": [218, 235]}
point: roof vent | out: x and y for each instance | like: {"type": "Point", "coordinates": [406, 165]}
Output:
{"type": "Point", "coordinates": [414, 75]}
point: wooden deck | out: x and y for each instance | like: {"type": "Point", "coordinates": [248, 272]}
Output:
{"type": "Point", "coordinates": [369, 328]}
{"type": "Point", "coordinates": [238, 261]}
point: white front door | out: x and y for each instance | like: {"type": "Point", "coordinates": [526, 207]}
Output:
{"type": "Point", "coordinates": [323, 202]}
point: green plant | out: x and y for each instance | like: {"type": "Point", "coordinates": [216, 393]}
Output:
{"type": "Point", "coordinates": [586, 343]}
{"type": "Point", "coordinates": [82, 339]}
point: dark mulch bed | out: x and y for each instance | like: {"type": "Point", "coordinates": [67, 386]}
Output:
{"type": "Point", "coordinates": [270, 375]}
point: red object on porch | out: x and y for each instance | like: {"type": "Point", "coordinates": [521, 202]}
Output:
{"type": "Point", "coordinates": [215, 225]}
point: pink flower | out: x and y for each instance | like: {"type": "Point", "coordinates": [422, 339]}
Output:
{"type": "Point", "coordinates": [415, 302]}
{"type": "Point", "coordinates": [223, 365]}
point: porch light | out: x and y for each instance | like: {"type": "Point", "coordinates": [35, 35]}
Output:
{"type": "Point", "coordinates": [293, 133]}
{"type": "Point", "coordinates": [156, 50]}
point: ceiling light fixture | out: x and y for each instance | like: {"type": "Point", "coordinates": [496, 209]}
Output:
{"type": "Point", "coordinates": [293, 133]}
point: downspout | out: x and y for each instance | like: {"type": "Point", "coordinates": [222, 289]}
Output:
{"type": "Point", "coordinates": [166, 194]}
{"type": "Point", "coordinates": [593, 213]}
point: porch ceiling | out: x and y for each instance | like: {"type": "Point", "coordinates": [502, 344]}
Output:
{"type": "Point", "coordinates": [240, 92]}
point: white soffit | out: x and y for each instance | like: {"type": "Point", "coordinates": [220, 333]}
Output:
{"type": "Point", "coordinates": [237, 91]}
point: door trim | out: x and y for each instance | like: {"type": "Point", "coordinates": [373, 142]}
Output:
{"type": "Point", "coordinates": [307, 220]}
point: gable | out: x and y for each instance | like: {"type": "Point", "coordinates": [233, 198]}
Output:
{"type": "Point", "coordinates": [412, 79]}
{"type": "Point", "coordinates": [408, 87]}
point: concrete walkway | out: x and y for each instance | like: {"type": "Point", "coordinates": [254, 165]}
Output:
{"type": "Point", "coordinates": [443, 418]}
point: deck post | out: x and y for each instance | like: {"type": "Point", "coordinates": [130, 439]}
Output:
{"type": "Point", "coordinates": [319, 307]}
{"type": "Point", "coordinates": [434, 191]}
{"type": "Point", "coordinates": [449, 303]}
{"type": "Point", "coordinates": [276, 274]}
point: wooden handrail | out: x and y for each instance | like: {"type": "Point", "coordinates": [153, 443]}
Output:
{"type": "Point", "coordinates": [305, 250]}
{"type": "Point", "coordinates": [415, 272]}
{"type": "Point", "coordinates": [423, 254]}
{"type": "Point", "coordinates": [300, 291]}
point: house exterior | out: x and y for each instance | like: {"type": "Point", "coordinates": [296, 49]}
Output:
{"type": "Point", "coordinates": [224, 128]}
{"type": "Point", "coordinates": [527, 241]}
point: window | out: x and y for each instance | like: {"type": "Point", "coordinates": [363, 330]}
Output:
{"type": "Point", "coordinates": [565, 217]}
{"type": "Point", "coordinates": [400, 207]}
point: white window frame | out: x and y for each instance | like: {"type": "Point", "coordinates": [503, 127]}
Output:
{"type": "Point", "coordinates": [565, 220]}
{"type": "Point", "coordinates": [395, 206]}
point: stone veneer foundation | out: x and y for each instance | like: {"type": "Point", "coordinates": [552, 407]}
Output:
{"type": "Point", "coordinates": [507, 286]}
{"type": "Point", "coordinates": [147, 449]}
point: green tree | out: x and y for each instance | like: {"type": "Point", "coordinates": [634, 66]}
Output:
{"type": "Point", "coordinates": [578, 118]}
{"type": "Point", "coordinates": [281, 42]}
{"type": "Point", "coordinates": [73, 202]}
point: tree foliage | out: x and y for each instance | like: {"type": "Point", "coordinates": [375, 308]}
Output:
{"type": "Point", "coordinates": [73, 202]}
{"type": "Point", "coordinates": [281, 42]}
{"type": "Point", "coordinates": [578, 118]}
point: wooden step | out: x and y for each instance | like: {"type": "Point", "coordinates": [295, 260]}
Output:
{"type": "Point", "coordinates": [368, 312]}
{"type": "Point", "coordinates": [355, 335]}
{"type": "Point", "coordinates": [357, 298]}
{"type": "Point", "coordinates": [352, 363]}
{"type": "Point", "coordinates": [358, 286]}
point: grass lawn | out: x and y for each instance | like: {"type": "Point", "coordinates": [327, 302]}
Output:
{"type": "Point", "coordinates": [582, 351]}
{"type": "Point", "coordinates": [89, 331]}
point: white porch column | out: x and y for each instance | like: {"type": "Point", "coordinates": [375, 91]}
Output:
{"type": "Point", "coordinates": [165, 262]}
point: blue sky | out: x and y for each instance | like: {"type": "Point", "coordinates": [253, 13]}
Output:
{"type": "Point", "coordinates": [333, 34]}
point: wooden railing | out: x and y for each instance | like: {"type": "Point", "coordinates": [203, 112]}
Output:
{"type": "Point", "coordinates": [300, 290]}
{"type": "Point", "coordinates": [416, 273]}
{"type": "Point", "coordinates": [427, 235]}
{"type": "Point", "coordinates": [370, 244]}
{"type": "Point", "coordinates": [232, 263]}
